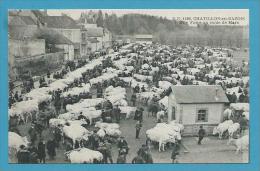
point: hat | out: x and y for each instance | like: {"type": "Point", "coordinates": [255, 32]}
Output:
{"type": "Point", "coordinates": [22, 146]}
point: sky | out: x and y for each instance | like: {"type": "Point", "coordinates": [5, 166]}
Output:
{"type": "Point", "coordinates": [192, 16]}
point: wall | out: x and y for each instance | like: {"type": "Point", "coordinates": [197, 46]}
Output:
{"type": "Point", "coordinates": [68, 51]}
{"type": "Point", "coordinates": [172, 103]}
{"type": "Point", "coordinates": [107, 40]}
{"type": "Point", "coordinates": [22, 49]}
{"type": "Point", "coordinates": [192, 130]}
{"type": "Point", "coordinates": [84, 49]}
{"type": "Point", "coordinates": [87, 25]}
{"type": "Point", "coordinates": [38, 65]}
{"type": "Point", "coordinates": [27, 47]}
{"type": "Point", "coordinates": [84, 43]}
{"type": "Point", "coordinates": [100, 43]}
{"type": "Point", "coordinates": [189, 113]}
{"type": "Point", "coordinates": [96, 46]}
{"type": "Point", "coordinates": [73, 35]}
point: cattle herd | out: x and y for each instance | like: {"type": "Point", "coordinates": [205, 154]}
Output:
{"type": "Point", "coordinates": [83, 108]}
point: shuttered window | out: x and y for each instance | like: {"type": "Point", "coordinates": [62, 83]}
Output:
{"type": "Point", "coordinates": [202, 115]}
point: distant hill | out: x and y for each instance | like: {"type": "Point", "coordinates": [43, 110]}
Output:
{"type": "Point", "coordinates": [167, 31]}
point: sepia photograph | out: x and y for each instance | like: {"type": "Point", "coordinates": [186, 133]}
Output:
{"type": "Point", "coordinates": [128, 86]}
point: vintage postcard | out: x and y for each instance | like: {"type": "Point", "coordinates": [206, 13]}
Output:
{"type": "Point", "coordinates": [129, 86]}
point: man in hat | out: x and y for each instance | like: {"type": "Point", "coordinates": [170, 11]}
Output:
{"type": "Point", "coordinates": [33, 155]}
{"type": "Point", "coordinates": [117, 113]}
{"type": "Point", "coordinates": [41, 151]}
{"type": "Point", "coordinates": [122, 144]}
{"type": "Point", "coordinates": [137, 88]}
{"type": "Point", "coordinates": [143, 88]}
{"type": "Point", "coordinates": [23, 155]}
{"type": "Point", "coordinates": [243, 124]}
{"type": "Point", "coordinates": [108, 150]}
{"type": "Point", "coordinates": [201, 134]}
{"type": "Point", "coordinates": [51, 149]}
{"type": "Point", "coordinates": [145, 154]}
{"type": "Point", "coordinates": [121, 158]}
{"type": "Point", "coordinates": [99, 91]}
{"type": "Point", "coordinates": [138, 127]}
{"type": "Point", "coordinates": [33, 133]}
{"type": "Point", "coordinates": [141, 114]}
{"type": "Point", "coordinates": [175, 152]}
{"type": "Point", "coordinates": [103, 150]}
{"type": "Point", "coordinates": [16, 96]}
{"type": "Point", "coordinates": [142, 151]}
{"type": "Point", "coordinates": [133, 98]}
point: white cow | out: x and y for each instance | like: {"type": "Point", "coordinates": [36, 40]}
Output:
{"type": "Point", "coordinates": [75, 132]}
{"type": "Point", "coordinates": [163, 133]}
{"type": "Point", "coordinates": [15, 140]}
{"type": "Point", "coordinates": [111, 129]}
{"type": "Point", "coordinates": [241, 143]}
{"type": "Point", "coordinates": [83, 155]}
{"type": "Point", "coordinates": [222, 127]}
{"type": "Point", "coordinates": [176, 126]}
{"type": "Point", "coordinates": [228, 113]}
{"type": "Point", "coordinates": [160, 114]}
{"type": "Point", "coordinates": [232, 129]}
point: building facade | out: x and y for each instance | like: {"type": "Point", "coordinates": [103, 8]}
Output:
{"type": "Point", "coordinates": [194, 105]}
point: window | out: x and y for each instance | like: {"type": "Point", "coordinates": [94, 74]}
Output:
{"type": "Point", "coordinates": [173, 113]}
{"type": "Point", "coordinates": [202, 115]}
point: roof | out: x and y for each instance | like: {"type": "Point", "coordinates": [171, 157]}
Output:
{"type": "Point", "coordinates": [51, 36]}
{"type": "Point", "coordinates": [64, 22]}
{"type": "Point", "coordinates": [199, 94]}
{"type": "Point", "coordinates": [22, 20]}
{"type": "Point", "coordinates": [144, 36]}
{"type": "Point", "coordinates": [95, 32]}
{"type": "Point", "coordinates": [39, 14]}
{"type": "Point", "coordinates": [21, 32]}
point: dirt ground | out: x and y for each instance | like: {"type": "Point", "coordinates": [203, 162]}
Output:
{"type": "Point", "coordinates": [212, 150]}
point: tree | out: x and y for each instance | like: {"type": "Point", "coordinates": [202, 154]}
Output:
{"type": "Point", "coordinates": [100, 20]}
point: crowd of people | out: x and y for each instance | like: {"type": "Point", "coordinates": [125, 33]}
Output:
{"type": "Point", "coordinates": [35, 152]}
